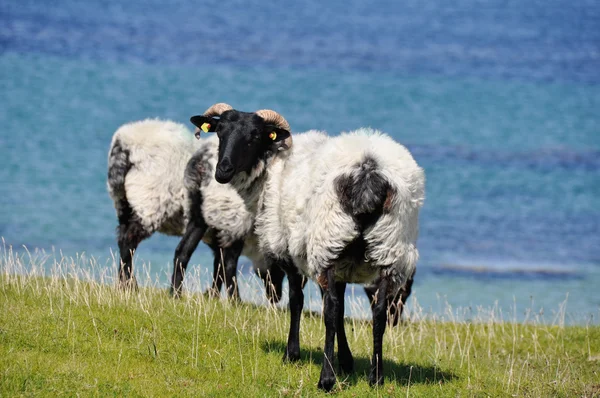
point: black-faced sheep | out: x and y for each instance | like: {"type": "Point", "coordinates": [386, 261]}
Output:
{"type": "Point", "coordinates": [338, 210]}
{"type": "Point", "coordinates": [161, 179]}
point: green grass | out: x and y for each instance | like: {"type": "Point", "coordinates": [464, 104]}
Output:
{"type": "Point", "coordinates": [65, 335]}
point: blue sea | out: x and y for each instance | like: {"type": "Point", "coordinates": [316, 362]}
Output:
{"type": "Point", "coordinates": [499, 102]}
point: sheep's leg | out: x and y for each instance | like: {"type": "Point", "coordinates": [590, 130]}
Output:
{"type": "Point", "coordinates": [231, 256]}
{"type": "Point", "coordinates": [183, 253]}
{"type": "Point", "coordinates": [130, 234]}
{"type": "Point", "coordinates": [370, 292]}
{"type": "Point", "coordinates": [391, 302]}
{"type": "Point", "coordinates": [296, 295]}
{"type": "Point", "coordinates": [126, 251]}
{"type": "Point", "coordinates": [218, 272]}
{"type": "Point", "coordinates": [345, 360]}
{"type": "Point", "coordinates": [273, 280]}
{"type": "Point", "coordinates": [394, 309]}
{"type": "Point", "coordinates": [379, 323]}
{"type": "Point", "coordinates": [404, 293]}
{"type": "Point", "coordinates": [331, 315]}
{"type": "Point", "coordinates": [395, 305]}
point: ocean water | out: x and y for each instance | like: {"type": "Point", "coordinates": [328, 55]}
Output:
{"type": "Point", "coordinates": [498, 101]}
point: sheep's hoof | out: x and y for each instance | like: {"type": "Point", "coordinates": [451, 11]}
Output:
{"type": "Point", "coordinates": [374, 380]}
{"type": "Point", "coordinates": [326, 383]}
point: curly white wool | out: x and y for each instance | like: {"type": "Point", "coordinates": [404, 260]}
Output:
{"type": "Point", "coordinates": [302, 216]}
{"type": "Point", "coordinates": [161, 153]}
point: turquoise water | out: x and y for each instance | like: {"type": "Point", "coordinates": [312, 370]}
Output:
{"type": "Point", "coordinates": [500, 105]}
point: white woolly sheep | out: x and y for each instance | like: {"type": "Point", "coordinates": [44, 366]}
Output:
{"type": "Point", "coordinates": [146, 166]}
{"type": "Point", "coordinates": [338, 210]}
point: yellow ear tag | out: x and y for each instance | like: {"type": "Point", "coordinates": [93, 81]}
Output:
{"type": "Point", "coordinates": [273, 136]}
{"type": "Point", "coordinates": [205, 127]}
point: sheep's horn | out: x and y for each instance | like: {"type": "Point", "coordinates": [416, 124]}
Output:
{"type": "Point", "coordinates": [217, 109]}
{"type": "Point", "coordinates": [270, 116]}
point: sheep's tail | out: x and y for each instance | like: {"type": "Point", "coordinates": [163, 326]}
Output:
{"type": "Point", "coordinates": [118, 167]}
{"type": "Point", "coordinates": [364, 193]}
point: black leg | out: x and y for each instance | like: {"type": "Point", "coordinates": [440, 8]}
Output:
{"type": "Point", "coordinates": [331, 316]}
{"type": "Point", "coordinates": [305, 281]}
{"type": "Point", "coordinates": [126, 251]}
{"type": "Point", "coordinates": [379, 323]}
{"type": "Point", "coordinates": [405, 293]}
{"type": "Point", "coordinates": [391, 303]}
{"type": "Point", "coordinates": [396, 304]}
{"type": "Point", "coordinates": [292, 351]}
{"type": "Point", "coordinates": [218, 272]}
{"type": "Point", "coordinates": [273, 280]}
{"type": "Point", "coordinates": [394, 308]}
{"type": "Point", "coordinates": [232, 255]}
{"type": "Point", "coordinates": [130, 234]}
{"type": "Point", "coordinates": [370, 292]}
{"type": "Point", "coordinates": [345, 360]}
{"type": "Point", "coordinates": [183, 253]}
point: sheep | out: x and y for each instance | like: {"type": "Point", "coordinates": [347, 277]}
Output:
{"type": "Point", "coordinates": [337, 210]}
{"type": "Point", "coordinates": [395, 304]}
{"type": "Point", "coordinates": [150, 154]}
{"type": "Point", "coordinates": [159, 179]}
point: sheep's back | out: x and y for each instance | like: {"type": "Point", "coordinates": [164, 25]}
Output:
{"type": "Point", "coordinates": [281, 222]}
{"type": "Point", "coordinates": [392, 239]}
{"type": "Point", "coordinates": [310, 222]}
{"type": "Point", "coordinates": [158, 152]}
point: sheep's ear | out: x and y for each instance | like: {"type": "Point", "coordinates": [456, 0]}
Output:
{"type": "Point", "coordinates": [204, 124]}
{"type": "Point", "coordinates": [282, 139]}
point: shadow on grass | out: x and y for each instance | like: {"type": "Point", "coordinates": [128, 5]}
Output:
{"type": "Point", "coordinates": [403, 373]}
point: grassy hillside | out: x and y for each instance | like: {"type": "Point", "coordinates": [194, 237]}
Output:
{"type": "Point", "coordinates": [60, 335]}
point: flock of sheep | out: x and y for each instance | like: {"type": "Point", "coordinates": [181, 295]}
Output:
{"type": "Point", "coordinates": [336, 210]}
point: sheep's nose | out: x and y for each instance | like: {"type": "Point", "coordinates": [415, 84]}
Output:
{"type": "Point", "coordinates": [224, 172]}
{"type": "Point", "coordinates": [225, 167]}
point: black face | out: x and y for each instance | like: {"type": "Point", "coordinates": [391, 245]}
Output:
{"type": "Point", "coordinates": [244, 140]}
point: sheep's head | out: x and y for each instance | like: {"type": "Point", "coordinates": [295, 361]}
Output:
{"type": "Point", "coordinates": [246, 140]}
